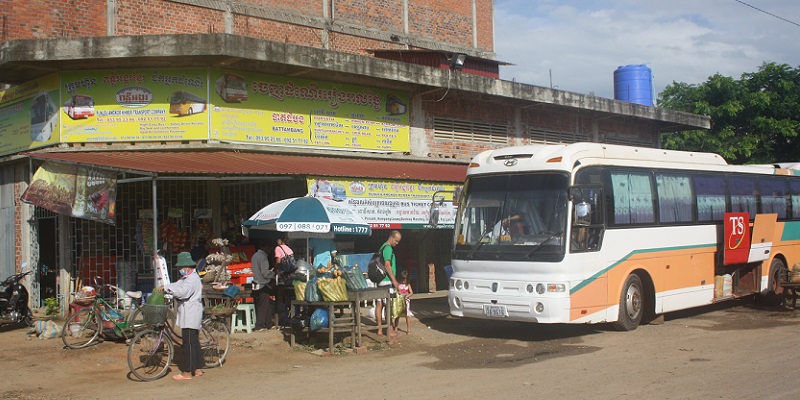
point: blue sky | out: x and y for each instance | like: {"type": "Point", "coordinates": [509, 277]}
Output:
{"type": "Point", "coordinates": [581, 43]}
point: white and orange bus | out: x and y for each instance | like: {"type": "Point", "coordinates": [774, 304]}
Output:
{"type": "Point", "coordinates": [593, 233]}
{"type": "Point", "coordinates": [232, 88]}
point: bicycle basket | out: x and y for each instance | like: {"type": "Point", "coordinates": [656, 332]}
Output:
{"type": "Point", "coordinates": [154, 314]}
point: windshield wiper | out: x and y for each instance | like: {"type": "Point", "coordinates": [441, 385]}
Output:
{"type": "Point", "coordinates": [542, 243]}
{"type": "Point", "coordinates": [479, 243]}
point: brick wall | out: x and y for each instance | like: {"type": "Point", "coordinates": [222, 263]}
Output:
{"type": "Point", "coordinates": [277, 31]}
{"type": "Point", "coordinates": [52, 19]}
{"type": "Point", "coordinates": [443, 21]}
{"type": "Point", "coordinates": [148, 17]}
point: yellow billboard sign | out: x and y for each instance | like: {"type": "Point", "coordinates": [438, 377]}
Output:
{"type": "Point", "coordinates": [264, 109]}
{"type": "Point", "coordinates": [134, 105]}
{"type": "Point", "coordinates": [29, 116]}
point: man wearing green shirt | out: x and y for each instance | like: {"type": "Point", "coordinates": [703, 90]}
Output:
{"type": "Point", "coordinates": [390, 280]}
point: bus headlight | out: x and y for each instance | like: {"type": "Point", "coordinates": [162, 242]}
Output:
{"type": "Point", "coordinates": [539, 308]}
{"type": "Point", "coordinates": [457, 302]}
{"type": "Point", "coordinates": [539, 288]}
{"type": "Point", "coordinates": [556, 287]}
{"type": "Point", "coordinates": [459, 285]}
{"type": "Point", "coordinates": [466, 285]}
{"type": "Point", "coordinates": [529, 288]}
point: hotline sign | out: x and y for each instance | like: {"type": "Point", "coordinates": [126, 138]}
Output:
{"type": "Point", "coordinates": [736, 238]}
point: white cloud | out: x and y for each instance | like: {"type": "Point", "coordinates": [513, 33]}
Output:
{"type": "Point", "coordinates": [583, 42]}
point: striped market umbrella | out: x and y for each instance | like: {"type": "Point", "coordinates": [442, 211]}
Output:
{"type": "Point", "coordinates": [308, 217]}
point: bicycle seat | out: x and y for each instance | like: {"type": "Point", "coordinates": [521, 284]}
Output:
{"type": "Point", "coordinates": [134, 295]}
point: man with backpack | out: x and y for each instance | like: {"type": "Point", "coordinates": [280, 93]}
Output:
{"type": "Point", "coordinates": [390, 266]}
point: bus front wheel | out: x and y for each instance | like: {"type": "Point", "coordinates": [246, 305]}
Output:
{"type": "Point", "coordinates": [631, 304]}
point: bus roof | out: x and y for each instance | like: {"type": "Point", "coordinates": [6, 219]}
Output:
{"type": "Point", "coordinates": [562, 157]}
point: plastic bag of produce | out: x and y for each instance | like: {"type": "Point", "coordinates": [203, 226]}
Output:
{"type": "Point", "coordinates": [319, 319]}
{"type": "Point", "coordinates": [300, 290]}
{"type": "Point", "coordinates": [312, 294]}
{"type": "Point", "coordinates": [398, 306]}
{"type": "Point", "coordinates": [156, 298]}
{"type": "Point", "coordinates": [354, 278]}
{"type": "Point", "coordinates": [333, 289]}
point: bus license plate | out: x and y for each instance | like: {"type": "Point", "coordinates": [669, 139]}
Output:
{"type": "Point", "coordinates": [493, 310]}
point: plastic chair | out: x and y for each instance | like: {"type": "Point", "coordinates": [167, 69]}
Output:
{"type": "Point", "coordinates": [245, 322]}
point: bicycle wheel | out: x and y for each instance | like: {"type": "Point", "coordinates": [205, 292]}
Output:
{"type": "Point", "coordinates": [81, 329]}
{"type": "Point", "coordinates": [215, 341]}
{"type": "Point", "coordinates": [136, 320]}
{"type": "Point", "coordinates": [150, 354]}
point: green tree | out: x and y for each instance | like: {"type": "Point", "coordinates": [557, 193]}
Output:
{"type": "Point", "coordinates": [755, 119]}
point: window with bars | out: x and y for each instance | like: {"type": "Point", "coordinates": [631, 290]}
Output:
{"type": "Point", "coordinates": [545, 136]}
{"type": "Point", "coordinates": [449, 129]}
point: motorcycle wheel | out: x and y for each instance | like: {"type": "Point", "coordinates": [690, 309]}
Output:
{"type": "Point", "coordinates": [27, 320]}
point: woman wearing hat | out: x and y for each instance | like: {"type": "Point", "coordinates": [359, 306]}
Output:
{"type": "Point", "coordinates": [188, 291]}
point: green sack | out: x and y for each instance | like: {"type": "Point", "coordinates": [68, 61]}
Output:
{"type": "Point", "coordinates": [156, 298]}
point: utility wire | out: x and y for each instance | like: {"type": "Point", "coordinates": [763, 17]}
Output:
{"type": "Point", "coordinates": [767, 12]}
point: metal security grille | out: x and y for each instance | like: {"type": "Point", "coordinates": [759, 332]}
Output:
{"type": "Point", "coordinates": [447, 129]}
{"type": "Point", "coordinates": [551, 137]}
{"type": "Point", "coordinates": [8, 237]}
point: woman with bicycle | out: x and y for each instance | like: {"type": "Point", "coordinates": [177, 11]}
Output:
{"type": "Point", "coordinates": [188, 291]}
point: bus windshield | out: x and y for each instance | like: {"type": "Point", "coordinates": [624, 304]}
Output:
{"type": "Point", "coordinates": [513, 217]}
{"type": "Point", "coordinates": [82, 101]}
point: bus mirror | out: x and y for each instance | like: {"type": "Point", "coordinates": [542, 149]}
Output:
{"type": "Point", "coordinates": [433, 216]}
{"type": "Point", "coordinates": [583, 214]}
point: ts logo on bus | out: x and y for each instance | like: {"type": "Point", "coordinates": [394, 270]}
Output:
{"type": "Point", "coordinates": [737, 238]}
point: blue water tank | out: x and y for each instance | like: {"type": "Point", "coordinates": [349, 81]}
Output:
{"type": "Point", "coordinates": [634, 84]}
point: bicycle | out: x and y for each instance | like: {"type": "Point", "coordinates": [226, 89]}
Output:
{"type": "Point", "coordinates": [151, 351]}
{"type": "Point", "coordinates": [101, 318]}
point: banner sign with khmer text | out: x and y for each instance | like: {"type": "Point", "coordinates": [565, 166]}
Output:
{"type": "Point", "coordinates": [386, 204]}
{"type": "Point", "coordinates": [264, 109]}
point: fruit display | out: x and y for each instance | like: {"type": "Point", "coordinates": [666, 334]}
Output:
{"type": "Point", "coordinates": [176, 237]}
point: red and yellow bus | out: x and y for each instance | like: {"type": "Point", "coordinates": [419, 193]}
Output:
{"type": "Point", "coordinates": [232, 88]}
{"type": "Point", "coordinates": [79, 106]}
{"type": "Point", "coordinates": [594, 233]}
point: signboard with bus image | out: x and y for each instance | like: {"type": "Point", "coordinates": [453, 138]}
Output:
{"type": "Point", "coordinates": [276, 110]}
{"type": "Point", "coordinates": [137, 105]}
{"type": "Point", "coordinates": [387, 204]}
{"type": "Point", "coordinates": [29, 116]}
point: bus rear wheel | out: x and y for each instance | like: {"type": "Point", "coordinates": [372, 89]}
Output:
{"type": "Point", "coordinates": [775, 296]}
{"type": "Point", "coordinates": [631, 304]}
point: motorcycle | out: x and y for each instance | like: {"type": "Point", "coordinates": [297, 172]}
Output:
{"type": "Point", "coordinates": [14, 300]}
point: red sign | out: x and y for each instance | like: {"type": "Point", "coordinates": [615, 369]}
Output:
{"type": "Point", "coordinates": [736, 238]}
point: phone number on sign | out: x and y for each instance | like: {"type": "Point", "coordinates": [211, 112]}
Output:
{"type": "Point", "coordinates": [300, 226]}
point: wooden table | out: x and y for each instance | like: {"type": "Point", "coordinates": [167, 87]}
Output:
{"type": "Point", "coordinates": [335, 324]}
{"type": "Point", "coordinates": [360, 296]}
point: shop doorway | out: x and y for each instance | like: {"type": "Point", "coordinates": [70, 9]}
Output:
{"type": "Point", "coordinates": [47, 270]}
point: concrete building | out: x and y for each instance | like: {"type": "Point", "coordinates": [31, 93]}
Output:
{"type": "Point", "coordinates": [196, 113]}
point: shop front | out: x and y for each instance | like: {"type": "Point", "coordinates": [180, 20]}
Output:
{"type": "Point", "coordinates": [163, 200]}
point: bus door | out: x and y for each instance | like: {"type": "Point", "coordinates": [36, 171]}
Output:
{"type": "Point", "coordinates": [588, 218]}
{"type": "Point", "coordinates": [589, 295]}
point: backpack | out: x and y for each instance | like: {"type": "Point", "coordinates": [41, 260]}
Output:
{"type": "Point", "coordinates": [376, 269]}
{"type": "Point", "coordinates": [288, 264]}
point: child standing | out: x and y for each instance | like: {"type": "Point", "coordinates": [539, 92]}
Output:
{"type": "Point", "coordinates": [404, 289]}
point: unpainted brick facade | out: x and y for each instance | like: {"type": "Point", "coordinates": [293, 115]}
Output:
{"type": "Point", "coordinates": [297, 22]}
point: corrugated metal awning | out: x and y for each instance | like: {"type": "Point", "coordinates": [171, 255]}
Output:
{"type": "Point", "coordinates": [226, 163]}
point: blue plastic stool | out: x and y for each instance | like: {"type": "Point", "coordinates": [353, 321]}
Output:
{"type": "Point", "coordinates": [246, 321]}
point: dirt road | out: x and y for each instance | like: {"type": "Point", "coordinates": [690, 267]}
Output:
{"type": "Point", "coordinates": [732, 350]}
